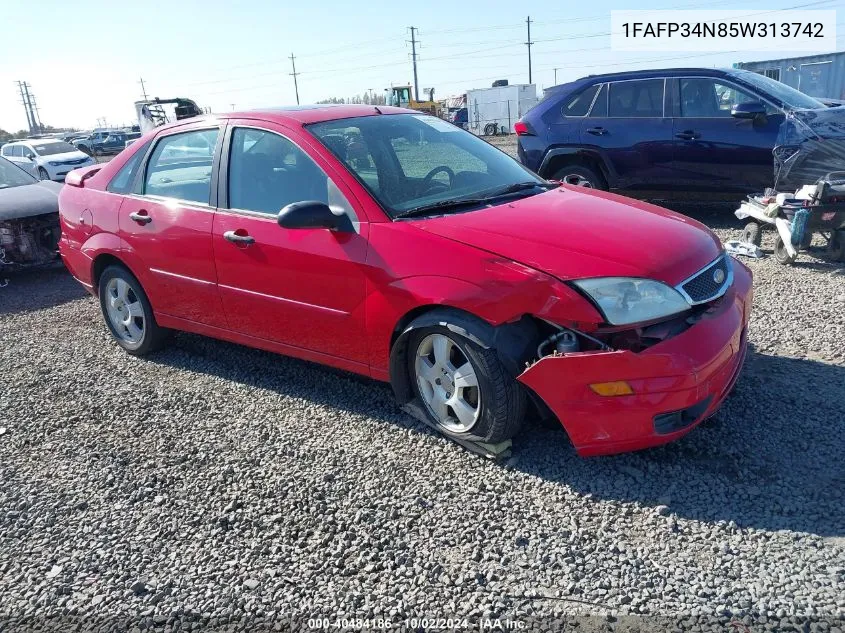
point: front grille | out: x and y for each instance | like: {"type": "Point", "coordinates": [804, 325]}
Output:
{"type": "Point", "coordinates": [710, 282]}
{"type": "Point", "coordinates": [75, 161]}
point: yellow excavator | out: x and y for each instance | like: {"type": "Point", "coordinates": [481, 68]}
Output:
{"type": "Point", "coordinates": [401, 96]}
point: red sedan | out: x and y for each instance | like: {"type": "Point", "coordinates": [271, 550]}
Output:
{"type": "Point", "coordinates": [398, 246]}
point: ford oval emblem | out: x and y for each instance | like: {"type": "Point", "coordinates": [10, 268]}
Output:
{"type": "Point", "coordinates": [719, 276]}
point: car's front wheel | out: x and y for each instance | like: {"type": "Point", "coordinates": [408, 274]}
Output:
{"type": "Point", "coordinates": [127, 312]}
{"type": "Point", "coordinates": [463, 387]}
{"type": "Point", "coordinates": [42, 174]}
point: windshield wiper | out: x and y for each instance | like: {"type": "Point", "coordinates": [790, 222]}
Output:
{"type": "Point", "coordinates": [456, 203]}
{"type": "Point", "coordinates": [491, 195]}
{"type": "Point", "coordinates": [519, 186]}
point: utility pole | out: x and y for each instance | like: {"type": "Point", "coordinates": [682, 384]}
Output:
{"type": "Point", "coordinates": [294, 74]}
{"type": "Point", "coordinates": [556, 69]}
{"type": "Point", "coordinates": [29, 122]}
{"type": "Point", "coordinates": [528, 44]}
{"type": "Point", "coordinates": [36, 124]}
{"type": "Point", "coordinates": [143, 89]}
{"type": "Point", "coordinates": [414, 43]}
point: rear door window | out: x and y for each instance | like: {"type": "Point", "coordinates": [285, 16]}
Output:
{"type": "Point", "coordinates": [180, 166]}
{"type": "Point", "coordinates": [639, 98]}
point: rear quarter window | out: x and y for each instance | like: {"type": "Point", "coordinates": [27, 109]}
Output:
{"type": "Point", "coordinates": [579, 105]}
{"type": "Point", "coordinates": [123, 179]}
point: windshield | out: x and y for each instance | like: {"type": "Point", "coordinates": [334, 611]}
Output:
{"type": "Point", "coordinates": [789, 97]}
{"type": "Point", "coordinates": [408, 161]}
{"type": "Point", "coordinates": [13, 176]}
{"type": "Point", "coordinates": [48, 149]}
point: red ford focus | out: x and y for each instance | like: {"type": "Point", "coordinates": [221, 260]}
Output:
{"type": "Point", "coordinates": [398, 246]}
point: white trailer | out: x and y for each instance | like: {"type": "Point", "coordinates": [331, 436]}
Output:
{"type": "Point", "coordinates": [495, 110]}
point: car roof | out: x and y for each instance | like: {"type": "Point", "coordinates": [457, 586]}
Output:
{"type": "Point", "coordinates": [300, 115]}
{"type": "Point", "coordinates": [37, 141]}
{"type": "Point", "coordinates": [648, 74]}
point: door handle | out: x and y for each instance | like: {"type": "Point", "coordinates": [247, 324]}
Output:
{"type": "Point", "coordinates": [141, 217]}
{"type": "Point", "coordinates": [235, 238]}
{"type": "Point", "coordinates": [597, 131]}
{"type": "Point", "coordinates": [688, 135]}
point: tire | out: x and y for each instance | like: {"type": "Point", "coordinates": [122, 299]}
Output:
{"type": "Point", "coordinates": [499, 402]}
{"type": "Point", "coordinates": [42, 174]}
{"type": "Point", "coordinates": [752, 233]}
{"type": "Point", "coordinates": [490, 129]}
{"type": "Point", "coordinates": [119, 291]}
{"type": "Point", "coordinates": [836, 246]}
{"type": "Point", "coordinates": [580, 176]}
{"type": "Point", "coordinates": [781, 255]}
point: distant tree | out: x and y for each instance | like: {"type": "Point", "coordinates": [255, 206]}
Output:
{"type": "Point", "coordinates": [375, 99]}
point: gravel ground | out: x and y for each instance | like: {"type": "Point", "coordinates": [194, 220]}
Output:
{"type": "Point", "coordinates": [212, 485]}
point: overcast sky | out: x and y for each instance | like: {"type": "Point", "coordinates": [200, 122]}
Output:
{"type": "Point", "coordinates": [84, 59]}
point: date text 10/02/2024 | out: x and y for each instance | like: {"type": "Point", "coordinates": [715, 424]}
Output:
{"type": "Point", "coordinates": [432, 624]}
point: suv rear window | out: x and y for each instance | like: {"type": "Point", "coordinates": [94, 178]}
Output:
{"type": "Point", "coordinates": [636, 99]}
{"type": "Point", "coordinates": [580, 104]}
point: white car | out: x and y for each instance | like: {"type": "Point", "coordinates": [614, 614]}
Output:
{"type": "Point", "coordinates": [46, 159]}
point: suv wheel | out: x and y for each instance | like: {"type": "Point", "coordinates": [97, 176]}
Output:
{"type": "Point", "coordinates": [580, 176]}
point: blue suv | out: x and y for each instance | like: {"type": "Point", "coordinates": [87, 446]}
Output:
{"type": "Point", "coordinates": [667, 132]}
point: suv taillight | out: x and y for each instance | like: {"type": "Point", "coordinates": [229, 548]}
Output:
{"type": "Point", "coordinates": [521, 128]}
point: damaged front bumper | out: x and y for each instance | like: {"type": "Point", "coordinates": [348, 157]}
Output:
{"type": "Point", "coordinates": [29, 242]}
{"type": "Point", "coordinates": [676, 383]}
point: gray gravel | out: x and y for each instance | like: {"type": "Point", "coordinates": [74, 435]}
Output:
{"type": "Point", "coordinates": [215, 484]}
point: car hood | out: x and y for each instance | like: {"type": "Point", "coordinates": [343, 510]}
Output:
{"type": "Point", "coordinates": [576, 233]}
{"type": "Point", "coordinates": [28, 200]}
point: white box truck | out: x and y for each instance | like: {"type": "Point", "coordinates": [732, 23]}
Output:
{"type": "Point", "coordinates": [495, 110]}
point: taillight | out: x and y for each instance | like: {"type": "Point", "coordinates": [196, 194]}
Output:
{"type": "Point", "coordinates": [521, 128]}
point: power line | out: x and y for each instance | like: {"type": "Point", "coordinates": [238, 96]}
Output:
{"type": "Point", "coordinates": [294, 74]}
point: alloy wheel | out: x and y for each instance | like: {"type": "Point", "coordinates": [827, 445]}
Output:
{"type": "Point", "coordinates": [447, 382]}
{"type": "Point", "coordinates": [125, 311]}
{"type": "Point", "coordinates": [578, 180]}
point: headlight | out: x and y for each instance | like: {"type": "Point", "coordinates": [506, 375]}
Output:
{"type": "Point", "coordinates": [625, 300]}
{"type": "Point", "coordinates": [54, 163]}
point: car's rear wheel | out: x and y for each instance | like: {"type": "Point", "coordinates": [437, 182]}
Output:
{"type": "Point", "coordinates": [127, 312]}
{"type": "Point", "coordinates": [464, 388]}
{"type": "Point", "coordinates": [42, 174]}
{"type": "Point", "coordinates": [580, 176]}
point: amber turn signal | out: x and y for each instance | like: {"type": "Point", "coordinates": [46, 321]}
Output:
{"type": "Point", "coordinates": [616, 388]}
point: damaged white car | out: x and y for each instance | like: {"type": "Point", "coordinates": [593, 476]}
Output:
{"type": "Point", "coordinates": [29, 219]}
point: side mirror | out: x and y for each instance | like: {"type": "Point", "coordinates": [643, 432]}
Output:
{"type": "Point", "coordinates": [311, 214]}
{"type": "Point", "coordinates": [748, 110]}
{"type": "Point", "coordinates": [30, 156]}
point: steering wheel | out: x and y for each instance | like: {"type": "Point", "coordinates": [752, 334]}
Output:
{"type": "Point", "coordinates": [428, 180]}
